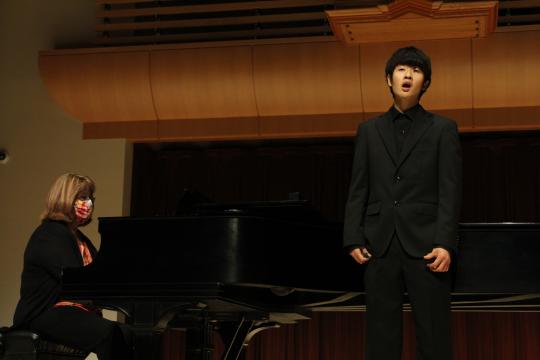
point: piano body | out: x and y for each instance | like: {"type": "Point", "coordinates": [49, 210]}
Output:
{"type": "Point", "coordinates": [241, 269]}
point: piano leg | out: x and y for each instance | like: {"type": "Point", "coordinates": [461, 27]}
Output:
{"type": "Point", "coordinates": [199, 340]}
{"type": "Point", "coordinates": [235, 330]}
{"type": "Point", "coordinates": [147, 343]}
{"type": "Point", "coordinates": [236, 336]}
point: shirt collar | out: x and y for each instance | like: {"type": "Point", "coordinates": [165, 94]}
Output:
{"type": "Point", "coordinates": [413, 113]}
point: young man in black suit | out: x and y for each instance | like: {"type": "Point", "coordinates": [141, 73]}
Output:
{"type": "Point", "coordinates": [402, 214]}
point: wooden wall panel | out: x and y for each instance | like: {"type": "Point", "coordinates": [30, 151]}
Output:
{"type": "Point", "coordinates": [304, 79]}
{"type": "Point", "coordinates": [506, 70]}
{"type": "Point", "coordinates": [375, 94]}
{"type": "Point", "coordinates": [507, 75]}
{"type": "Point", "coordinates": [100, 87]}
{"type": "Point", "coordinates": [507, 119]}
{"type": "Point", "coordinates": [340, 335]}
{"type": "Point", "coordinates": [451, 79]}
{"type": "Point", "coordinates": [203, 83]}
{"type": "Point", "coordinates": [450, 92]}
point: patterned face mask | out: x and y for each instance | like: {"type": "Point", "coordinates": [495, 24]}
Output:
{"type": "Point", "coordinates": [83, 209]}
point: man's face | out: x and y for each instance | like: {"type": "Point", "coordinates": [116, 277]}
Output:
{"type": "Point", "coordinates": [406, 82]}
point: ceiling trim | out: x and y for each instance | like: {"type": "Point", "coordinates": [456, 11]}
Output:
{"type": "Point", "coordinates": [414, 20]}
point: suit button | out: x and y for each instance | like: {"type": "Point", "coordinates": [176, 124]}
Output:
{"type": "Point", "coordinates": [398, 178]}
{"type": "Point", "coordinates": [396, 203]}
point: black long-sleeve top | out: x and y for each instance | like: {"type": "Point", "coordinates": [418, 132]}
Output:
{"type": "Point", "coordinates": [51, 248]}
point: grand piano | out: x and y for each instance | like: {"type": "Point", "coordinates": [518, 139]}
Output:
{"type": "Point", "coordinates": [238, 269]}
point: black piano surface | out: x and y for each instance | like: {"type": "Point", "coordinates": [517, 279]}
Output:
{"type": "Point", "coordinates": [261, 264]}
{"type": "Point", "coordinates": [275, 248]}
{"type": "Point", "coordinates": [497, 267]}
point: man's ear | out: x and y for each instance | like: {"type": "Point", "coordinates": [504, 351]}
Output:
{"type": "Point", "coordinates": [426, 85]}
{"type": "Point", "coordinates": [389, 80]}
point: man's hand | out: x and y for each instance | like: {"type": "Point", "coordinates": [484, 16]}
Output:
{"type": "Point", "coordinates": [360, 255]}
{"type": "Point", "coordinates": [441, 262]}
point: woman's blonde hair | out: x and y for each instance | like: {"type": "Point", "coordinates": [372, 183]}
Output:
{"type": "Point", "coordinates": [62, 196]}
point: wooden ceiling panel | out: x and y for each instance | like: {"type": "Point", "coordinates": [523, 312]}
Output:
{"type": "Point", "coordinates": [100, 87]}
{"type": "Point", "coordinates": [203, 83]}
{"type": "Point", "coordinates": [296, 79]}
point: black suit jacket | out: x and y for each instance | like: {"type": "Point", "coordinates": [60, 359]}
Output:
{"type": "Point", "coordinates": [416, 193]}
{"type": "Point", "coordinates": [51, 248]}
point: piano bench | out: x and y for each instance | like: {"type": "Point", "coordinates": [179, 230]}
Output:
{"type": "Point", "coordinates": [26, 345]}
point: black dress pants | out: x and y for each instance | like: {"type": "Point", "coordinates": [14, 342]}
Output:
{"type": "Point", "coordinates": [386, 279]}
{"type": "Point", "coordinates": [69, 325]}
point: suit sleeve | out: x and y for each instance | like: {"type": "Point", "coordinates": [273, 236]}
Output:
{"type": "Point", "coordinates": [353, 232]}
{"type": "Point", "coordinates": [450, 188]}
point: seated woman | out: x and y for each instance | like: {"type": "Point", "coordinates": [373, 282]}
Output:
{"type": "Point", "coordinates": [57, 243]}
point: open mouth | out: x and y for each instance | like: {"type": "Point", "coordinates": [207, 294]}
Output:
{"type": "Point", "coordinates": [406, 86]}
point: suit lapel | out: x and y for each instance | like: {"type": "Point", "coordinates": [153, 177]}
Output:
{"type": "Point", "coordinates": [386, 131]}
{"type": "Point", "coordinates": [418, 128]}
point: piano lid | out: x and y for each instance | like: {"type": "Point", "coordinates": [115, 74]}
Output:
{"type": "Point", "coordinates": [282, 244]}
{"type": "Point", "coordinates": [194, 203]}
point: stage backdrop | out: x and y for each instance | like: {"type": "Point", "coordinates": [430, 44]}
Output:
{"type": "Point", "coordinates": [501, 184]}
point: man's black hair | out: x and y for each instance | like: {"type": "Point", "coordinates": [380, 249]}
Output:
{"type": "Point", "coordinates": [410, 56]}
